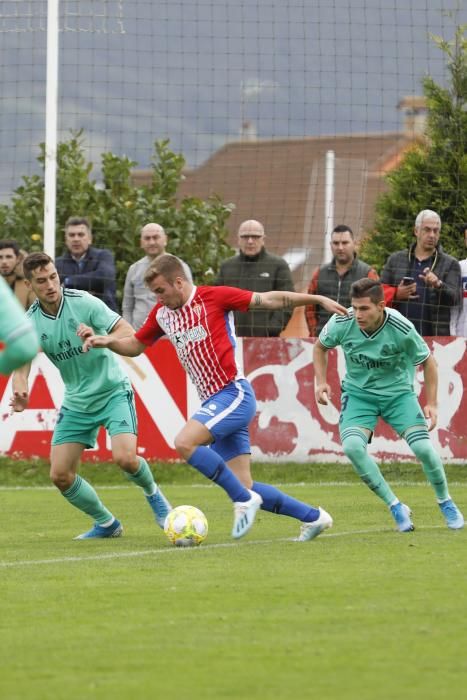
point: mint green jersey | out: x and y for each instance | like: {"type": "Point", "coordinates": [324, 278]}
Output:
{"type": "Point", "coordinates": [382, 362]}
{"type": "Point", "coordinates": [92, 377]}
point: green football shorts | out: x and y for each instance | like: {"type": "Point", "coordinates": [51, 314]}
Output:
{"type": "Point", "coordinates": [117, 416]}
{"type": "Point", "coordinates": [362, 409]}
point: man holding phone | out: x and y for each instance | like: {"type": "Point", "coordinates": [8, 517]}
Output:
{"type": "Point", "coordinates": [426, 280]}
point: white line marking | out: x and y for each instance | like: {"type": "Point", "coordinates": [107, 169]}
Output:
{"type": "Point", "coordinates": [297, 484]}
{"type": "Point", "coordinates": [203, 548]}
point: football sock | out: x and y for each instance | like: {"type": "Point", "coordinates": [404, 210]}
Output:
{"type": "Point", "coordinates": [143, 477]}
{"type": "Point", "coordinates": [81, 495]}
{"type": "Point", "coordinates": [354, 442]}
{"type": "Point", "coordinates": [419, 442]}
{"type": "Point", "coordinates": [274, 501]}
{"type": "Point", "coordinates": [213, 466]}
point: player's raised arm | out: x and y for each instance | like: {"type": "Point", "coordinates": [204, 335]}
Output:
{"type": "Point", "coordinates": [289, 300]}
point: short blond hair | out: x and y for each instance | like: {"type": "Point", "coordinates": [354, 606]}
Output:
{"type": "Point", "coordinates": [168, 266]}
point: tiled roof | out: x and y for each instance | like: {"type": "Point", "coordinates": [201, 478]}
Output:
{"type": "Point", "coordinates": [281, 182]}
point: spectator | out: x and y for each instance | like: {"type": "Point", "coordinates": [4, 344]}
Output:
{"type": "Point", "coordinates": [10, 269]}
{"type": "Point", "coordinates": [255, 269]}
{"type": "Point", "coordinates": [84, 267]}
{"type": "Point", "coordinates": [138, 300]}
{"type": "Point", "coordinates": [459, 313]}
{"type": "Point", "coordinates": [425, 281]}
{"type": "Point", "coordinates": [335, 278]}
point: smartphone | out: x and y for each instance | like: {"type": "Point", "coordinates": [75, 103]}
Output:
{"type": "Point", "coordinates": [407, 280]}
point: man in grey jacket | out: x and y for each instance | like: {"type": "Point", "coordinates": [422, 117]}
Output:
{"type": "Point", "coordinates": [334, 279]}
{"type": "Point", "coordinates": [426, 282]}
{"type": "Point", "coordinates": [138, 300]}
{"type": "Point", "coordinates": [255, 269]}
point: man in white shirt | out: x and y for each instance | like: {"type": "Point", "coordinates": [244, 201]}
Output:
{"type": "Point", "coordinates": [459, 313]}
{"type": "Point", "coordinates": [138, 300]}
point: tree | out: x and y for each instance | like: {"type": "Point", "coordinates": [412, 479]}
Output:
{"type": "Point", "coordinates": [433, 173]}
{"type": "Point", "coordinates": [118, 209]}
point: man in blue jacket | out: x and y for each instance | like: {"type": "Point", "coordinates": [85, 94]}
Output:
{"type": "Point", "coordinates": [84, 267]}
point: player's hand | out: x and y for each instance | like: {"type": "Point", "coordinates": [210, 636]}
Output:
{"type": "Point", "coordinates": [332, 306]}
{"type": "Point", "coordinates": [431, 414]}
{"type": "Point", "coordinates": [322, 394]}
{"type": "Point", "coordinates": [19, 401]}
{"type": "Point", "coordinates": [84, 331]}
{"type": "Point", "coordinates": [95, 341]}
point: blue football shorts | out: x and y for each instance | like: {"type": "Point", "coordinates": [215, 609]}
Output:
{"type": "Point", "coordinates": [227, 416]}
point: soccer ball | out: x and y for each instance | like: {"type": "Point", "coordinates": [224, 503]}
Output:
{"type": "Point", "coordinates": [186, 526]}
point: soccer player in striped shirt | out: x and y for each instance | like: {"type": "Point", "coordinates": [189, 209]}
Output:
{"type": "Point", "coordinates": [381, 349]}
{"type": "Point", "coordinates": [97, 393]}
{"type": "Point", "coordinates": [199, 323]}
{"type": "Point", "coordinates": [16, 332]}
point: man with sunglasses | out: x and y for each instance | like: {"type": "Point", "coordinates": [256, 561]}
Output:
{"type": "Point", "coordinates": [426, 281]}
{"type": "Point", "coordinates": [256, 269]}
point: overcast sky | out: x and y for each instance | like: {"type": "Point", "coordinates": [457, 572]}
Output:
{"type": "Point", "coordinates": [192, 70]}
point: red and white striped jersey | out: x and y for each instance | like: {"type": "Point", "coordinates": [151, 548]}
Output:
{"type": "Point", "coordinates": [203, 334]}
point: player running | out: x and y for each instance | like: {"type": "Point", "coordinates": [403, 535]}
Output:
{"type": "Point", "coordinates": [199, 323]}
{"type": "Point", "coordinates": [97, 393]}
{"type": "Point", "coordinates": [16, 332]}
{"type": "Point", "coordinates": [382, 349]}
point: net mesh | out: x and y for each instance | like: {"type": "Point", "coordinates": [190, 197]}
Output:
{"type": "Point", "coordinates": [252, 93]}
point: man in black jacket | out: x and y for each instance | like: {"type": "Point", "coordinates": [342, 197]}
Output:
{"type": "Point", "coordinates": [84, 267]}
{"type": "Point", "coordinates": [426, 281]}
{"type": "Point", "coordinates": [255, 269]}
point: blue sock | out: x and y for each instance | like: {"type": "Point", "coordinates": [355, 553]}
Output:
{"type": "Point", "coordinates": [275, 501]}
{"type": "Point", "coordinates": [213, 466]}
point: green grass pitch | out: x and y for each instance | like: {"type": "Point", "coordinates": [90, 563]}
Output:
{"type": "Point", "coordinates": [363, 612]}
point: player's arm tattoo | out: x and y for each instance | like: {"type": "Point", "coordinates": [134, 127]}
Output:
{"type": "Point", "coordinates": [286, 301]}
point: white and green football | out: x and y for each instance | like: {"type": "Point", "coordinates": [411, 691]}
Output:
{"type": "Point", "coordinates": [186, 526]}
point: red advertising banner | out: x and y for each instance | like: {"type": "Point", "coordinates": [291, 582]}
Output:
{"type": "Point", "coordinates": [289, 424]}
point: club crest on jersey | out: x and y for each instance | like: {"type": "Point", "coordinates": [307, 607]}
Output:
{"type": "Point", "coordinates": [197, 308]}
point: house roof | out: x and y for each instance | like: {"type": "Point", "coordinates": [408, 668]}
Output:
{"type": "Point", "coordinates": [282, 183]}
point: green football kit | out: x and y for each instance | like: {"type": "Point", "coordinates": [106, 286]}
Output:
{"type": "Point", "coordinates": [97, 393]}
{"type": "Point", "coordinates": [380, 372]}
{"type": "Point", "coordinates": [97, 390]}
{"type": "Point", "coordinates": [16, 332]}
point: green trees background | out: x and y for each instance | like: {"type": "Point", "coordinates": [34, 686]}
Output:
{"type": "Point", "coordinates": [118, 209]}
{"type": "Point", "coordinates": [433, 174]}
